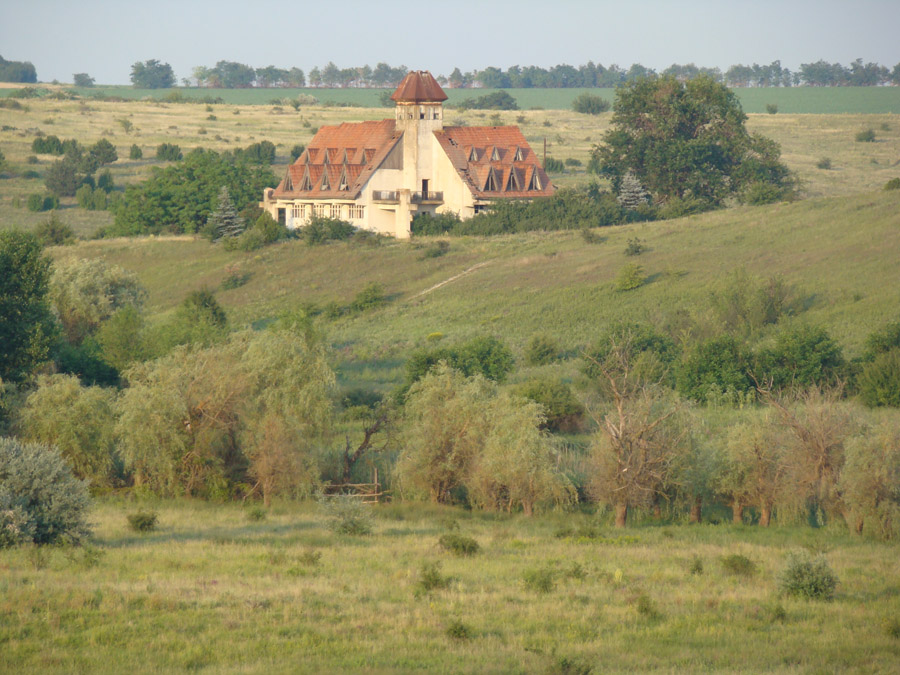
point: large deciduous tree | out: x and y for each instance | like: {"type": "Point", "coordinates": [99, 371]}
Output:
{"type": "Point", "coordinates": [688, 141]}
{"type": "Point", "coordinates": [152, 75]}
{"type": "Point", "coordinates": [26, 323]}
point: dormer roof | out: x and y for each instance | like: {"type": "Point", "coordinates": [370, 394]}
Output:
{"type": "Point", "coordinates": [419, 86]}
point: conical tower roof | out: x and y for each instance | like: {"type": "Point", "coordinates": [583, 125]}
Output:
{"type": "Point", "coordinates": [419, 86]}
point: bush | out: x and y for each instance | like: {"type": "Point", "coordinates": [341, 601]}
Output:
{"type": "Point", "coordinates": [35, 202]}
{"type": "Point", "coordinates": [635, 247]}
{"type": "Point", "coordinates": [647, 608]}
{"type": "Point", "coordinates": [552, 165]}
{"type": "Point", "coordinates": [589, 104]}
{"type": "Point", "coordinates": [430, 578]}
{"type": "Point", "coordinates": [824, 163]}
{"type": "Point", "coordinates": [892, 184]}
{"type": "Point", "coordinates": [459, 544]}
{"type": "Point", "coordinates": [738, 565]}
{"type": "Point", "coordinates": [630, 277]}
{"type": "Point", "coordinates": [40, 500]}
{"type": "Point", "coordinates": [436, 250]}
{"type": "Point", "coordinates": [347, 515]}
{"type": "Point", "coordinates": [771, 108]}
{"type": "Point", "coordinates": [262, 153]}
{"type": "Point", "coordinates": [256, 514]}
{"type": "Point", "coordinates": [879, 381]}
{"type": "Point", "coordinates": [168, 152]}
{"type": "Point", "coordinates": [104, 151]}
{"type": "Point", "coordinates": [866, 136]}
{"type": "Point", "coordinates": [370, 297]}
{"type": "Point", "coordinates": [561, 408]}
{"type": "Point", "coordinates": [135, 152]}
{"type": "Point", "coordinates": [807, 577]}
{"type": "Point", "coordinates": [298, 150]}
{"type": "Point", "coordinates": [540, 580]}
{"type": "Point", "coordinates": [143, 521]}
{"type": "Point", "coordinates": [47, 145]}
{"type": "Point", "coordinates": [321, 230]}
{"type": "Point", "coordinates": [499, 100]}
{"type": "Point", "coordinates": [541, 350]}
{"type": "Point", "coordinates": [458, 630]}
{"type": "Point", "coordinates": [572, 161]}
{"type": "Point", "coordinates": [54, 232]}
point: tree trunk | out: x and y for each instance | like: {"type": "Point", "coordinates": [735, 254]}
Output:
{"type": "Point", "coordinates": [697, 510]}
{"type": "Point", "coordinates": [737, 512]}
{"type": "Point", "coordinates": [621, 514]}
{"type": "Point", "coordinates": [765, 515]}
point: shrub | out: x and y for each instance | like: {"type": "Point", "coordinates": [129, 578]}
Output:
{"type": "Point", "coordinates": [47, 145]}
{"type": "Point", "coordinates": [437, 249]}
{"type": "Point", "coordinates": [458, 630]}
{"type": "Point", "coordinates": [771, 108]}
{"type": "Point", "coordinates": [553, 165]}
{"type": "Point", "coordinates": [258, 153]}
{"type": "Point", "coordinates": [892, 184]}
{"type": "Point", "coordinates": [824, 163]}
{"type": "Point", "coordinates": [630, 277]}
{"type": "Point", "coordinates": [321, 230]}
{"type": "Point", "coordinates": [135, 152]}
{"type": "Point", "coordinates": [647, 608]}
{"type": "Point", "coordinates": [572, 161]}
{"type": "Point", "coordinates": [256, 514]}
{"type": "Point", "coordinates": [561, 408]}
{"type": "Point", "coordinates": [40, 500]}
{"type": "Point", "coordinates": [541, 350]}
{"type": "Point", "coordinates": [35, 202]}
{"type": "Point", "coordinates": [459, 545]}
{"type": "Point", "coordinates": [866, 136]}
{"type": "Point", "coordinates": [143, 521]}
{"type": "Point", "coordinates": [635, 247]}
{"type": "Point", "coordinates": [696, 566]}
{"type": "Point", "coordinates": [54, 232]}
{"type": "Point", "coordinates": [168, 152]}
{"type": "Point", "coordinates": [347, 515]}
{"type": "Point", "coordinates": [540, 579]}
{"type": "Point", "coordinates": [104, 152]}
{"type": "Point", "coordinates": [370, 297]}
{"type": "Point", "coordinates": [879, 381]}
{"type": "Point", "coordinates": [498, 100]}
{"type": "Point", "coordinates": [807, 576]}
{"type": "Point", "coordinates": [738, 565]}
{"type": "Point", "coordinates": [298, 149]}
{"type": "Point", "coordinates": [589, 104]}
{"type": "Point", "coordinates": [430, 578]}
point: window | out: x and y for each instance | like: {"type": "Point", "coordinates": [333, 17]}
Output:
{"type": "Point", "coordinates": [495, 155]}
{"type": "Point", "coordinates": [535, 182]}
{"type": "Point", "coordinates": [324, 185]}
{"type": "Point", "coordinates": [295, 211]}
{"type": "Point", "coordinates": [320, 210]}
{"type": "Point", "coordinates": [357, 212]}
{"type": "Point", "coordinates": [520, 155]}
{"type": "Point", "coordinates": [336, 210]}
{"type": "Point", "coordinates": [480, 208]}
{"type": "Point", "coordinates": [343, 185]}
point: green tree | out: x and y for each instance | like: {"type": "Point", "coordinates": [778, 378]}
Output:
{"type": "Point", "coordinates": [152, 74]}
{"type": "Point", "coordinates": [590, 104]}
{"type": "Point", "coordinates": [685, 140]}
{"type": "Point", "coordinates": [104, 152]}
{"type": "Point", "coordinates": [86, 293]}
{"type": "Point", "coordinates": [802, 356]}
{"type": "Point", "coordinates": [27, 329]}
{"type": "Point", "coordinates": [714, 370]}
{"type": "Point", "coordinates": [561, 409]}
{"type": "Point", "coordinates": [82, 80]}
{"type": "Point", "coordinates": [77, 420]}
{"type": "Point", "coordinates": [879, 380]}
{"type": "Point", "coordinates": [870, 479]}
{"type": "Point", "coordinates": [123, 338]}
{"type": "Point", "coordinates": [224, 222]}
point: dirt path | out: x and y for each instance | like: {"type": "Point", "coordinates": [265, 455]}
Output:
{"type": "Point", "coordinates": [451, 279]}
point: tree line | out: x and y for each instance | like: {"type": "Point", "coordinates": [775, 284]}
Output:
{"type": "Point", "coordinates": [17, 71]}
{"type": "Point", "coordinates": [233, 75]}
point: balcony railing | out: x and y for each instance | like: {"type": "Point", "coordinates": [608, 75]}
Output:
{"type": "Point", "coordinates": [427, 197]}
{"type": "Point", "coordinates": [385, 196]}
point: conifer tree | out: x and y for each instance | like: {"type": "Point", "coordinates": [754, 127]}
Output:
{"type": "Point", "coordinates": [224, 222]}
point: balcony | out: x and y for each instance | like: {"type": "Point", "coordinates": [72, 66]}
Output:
{"type": "Point", "coordinates": [427, 198]}
{"type": "Point", "coordinates": [386, 196]}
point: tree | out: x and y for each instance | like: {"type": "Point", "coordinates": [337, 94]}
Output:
{"type": "Point", "coordinates": [152, 75]}
{"type": "Point", "coordinates": [802, 356]}
{"type": "Point", "coordinates": [77, 420]}
{"type": "Point", "coordinates": [40, 500]}
{"type": "Point", "coordinates": [715, 370]}
{"type": "Point", "coordinates": [104, 152]}
{"type": "Point", "coordinates": [82, 80]}
{"type": "Point", "coordinates": [86, 293]}
{"type": "Point", "coordinates": [685, 140]}
{"type": "Point", "coordinates": [879, 381]}
{"type": "Point", "coordinates": [224, 222]}
{"type": "Point", "coordinates": [17, 71]}
{"type": "Point", "coordinates": [27, 328]}
{"type": "Point", "coordinates": [590, 104]}
{"type": "Point", "coordinates": [870, 479]}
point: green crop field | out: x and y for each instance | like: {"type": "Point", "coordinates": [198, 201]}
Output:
{"type": "Point", "coordinates": [213, 590]}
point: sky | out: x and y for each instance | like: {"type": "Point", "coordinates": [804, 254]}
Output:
{"type": "Point", "coordinates": [105, 37]}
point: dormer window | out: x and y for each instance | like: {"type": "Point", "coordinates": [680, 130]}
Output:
{"type": "Point", "coordinates": [305, 184]}
{"type": "Point", "coordinates": [495, 155]}
{"type": "Point", "coordinates": [473, 155]}
{"type": "Point", "coordinates": [343, 185]}
{"type": "Point", "coordinates": [520, 155]}
{"type": "Point", "coordinates": [535, 183]}
{"type": "Point", "coordinates": [490, 185]}
{"type": "Point", "coordinates": [324, 185]}
{"type": "Point", "coordinates": [512, 183]}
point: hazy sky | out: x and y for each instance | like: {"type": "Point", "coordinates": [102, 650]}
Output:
{"type": "Point", "coordinates": [104, 37]}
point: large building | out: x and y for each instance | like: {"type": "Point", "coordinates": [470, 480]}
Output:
{"type": "Point", "coordinates": [378, 175]}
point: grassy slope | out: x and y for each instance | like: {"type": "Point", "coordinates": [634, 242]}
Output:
{"type": "Point", "coordinates": [839, 254]}
{"type": "Point", "coordinates": [212, 590]}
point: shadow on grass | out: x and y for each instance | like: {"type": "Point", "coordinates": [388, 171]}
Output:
{"type": "Point", "coordinates": [247, 534]}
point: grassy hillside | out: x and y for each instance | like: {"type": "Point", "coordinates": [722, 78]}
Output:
{"type": "Point", "coordinates": [838, 255]}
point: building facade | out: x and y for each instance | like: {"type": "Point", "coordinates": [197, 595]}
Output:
{"type": "Point", "coordinates": [379, 175]}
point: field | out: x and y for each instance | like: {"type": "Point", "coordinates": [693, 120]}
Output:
{"type": "Point", "coordinates": [794, 100]}
{"type": "Point", "coordinates": [213, 590]}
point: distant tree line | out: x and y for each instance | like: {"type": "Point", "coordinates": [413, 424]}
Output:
{"type": "Point", "coordinates": [17, 71]}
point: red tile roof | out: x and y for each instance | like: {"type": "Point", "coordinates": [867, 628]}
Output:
{"type": "Point", "coordinates": [479, 152]}
{"type": "Point", "coordinates": [419, 86]}
{"type": "Point", "coordinates": [352, 149]}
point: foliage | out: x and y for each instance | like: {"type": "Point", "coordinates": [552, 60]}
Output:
{"type": "Point", "coordinates": [430, 578]}
{"type": "Point", "coordinates": [635, 247]}
{"type": "Point", "coordinates": [882, 340]}
{"type": "Point", "coordinates": [738, 565]}
{"type": "Point", "coordinates": [77, 420]}
{"type": "Point", "coordinates": [296, 151]}
{"type": "Point", "coordinates": [135, 152]}
{"type": "Point", "coordinates": [104, 152]}
{"type": "Point", "coordinates": [824, 163]}
{"type": "Point", "coordinates": [347, 515]}
{"type": "Point", "coordinates": [47, 145]}
{"type": "Point", "coordinates": [261, 153]}
{"type": "Point", "coordinates": [458, 630]}
{"type": "Point", "coordinates": [143, 521]}
{"type": "Point", "coordinates": [40, 500]}
{"type": "Point", "coordinates": [152, 74]}
{"type": "Point", "coordinates": [630, 277]}
{"type": "Point", "coordinates": [39, 203]}
{"type": "Point", "coordinates": [589, 104]}
{"type": "Point", "coordinates": [87, 292]}
{"type": "Point", "coordinates": [715, 370]}
{"type": "Point", "coordinates": [865, 136]}
{"type": "Point", "coordinates": [224, 222]}
{"type": "Point", "coordinates": [82, 80]}
{"type": "Point", "coordinates": [561, 409]}
{"type": "Point", "coordinates": [870, 479]}
{"type": "Point", "coordinates": [636, 351]}
{"type": "Point", "coordinates": [485, 355]}
{"type": "Point", "coordinates": [892, 184]}
{"type": "Point", "coordinates": [807, 577]}
{"type": "Point", "coordinates": [26, 324]}
{"type": "Point", "coordinates": [744, 305]}
{"type": "Point", "coordinates": [553, 165]}
{"type": "Point", "coordinates": [65, 176]}
{"type": "Point", "coordinates": [180, 197]}
{"type": "Point", "coordinates": [802, 356]}
{"type": "Point", "coordinates": [122, 337]}
{"type": "Point", "coordinates": [772, 108]}
{"type": "Point", "coordinates": [541, 350]}
{"type": "Point", "coordinates": [686, 139]}
{"type": "Point", "coordinates": [17, 71]}
{"type": "Point", "coordinates": [540, 579]}
{"type": "Point", "coordinates": [321, 230]}
{"type": "Point", "coordinates": [879, 381]}
{"type": "Point", "coordinates": [498, 100]}
{"type": "Point", "coordinates": [370, 297]}
{"type": "Point", "coordinates": [459, 544]}
{"type": "Point", "coordinates": [169, 152]}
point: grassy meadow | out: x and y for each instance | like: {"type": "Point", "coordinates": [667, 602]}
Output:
{"type": "Point", "coordinates": [213, 590]}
